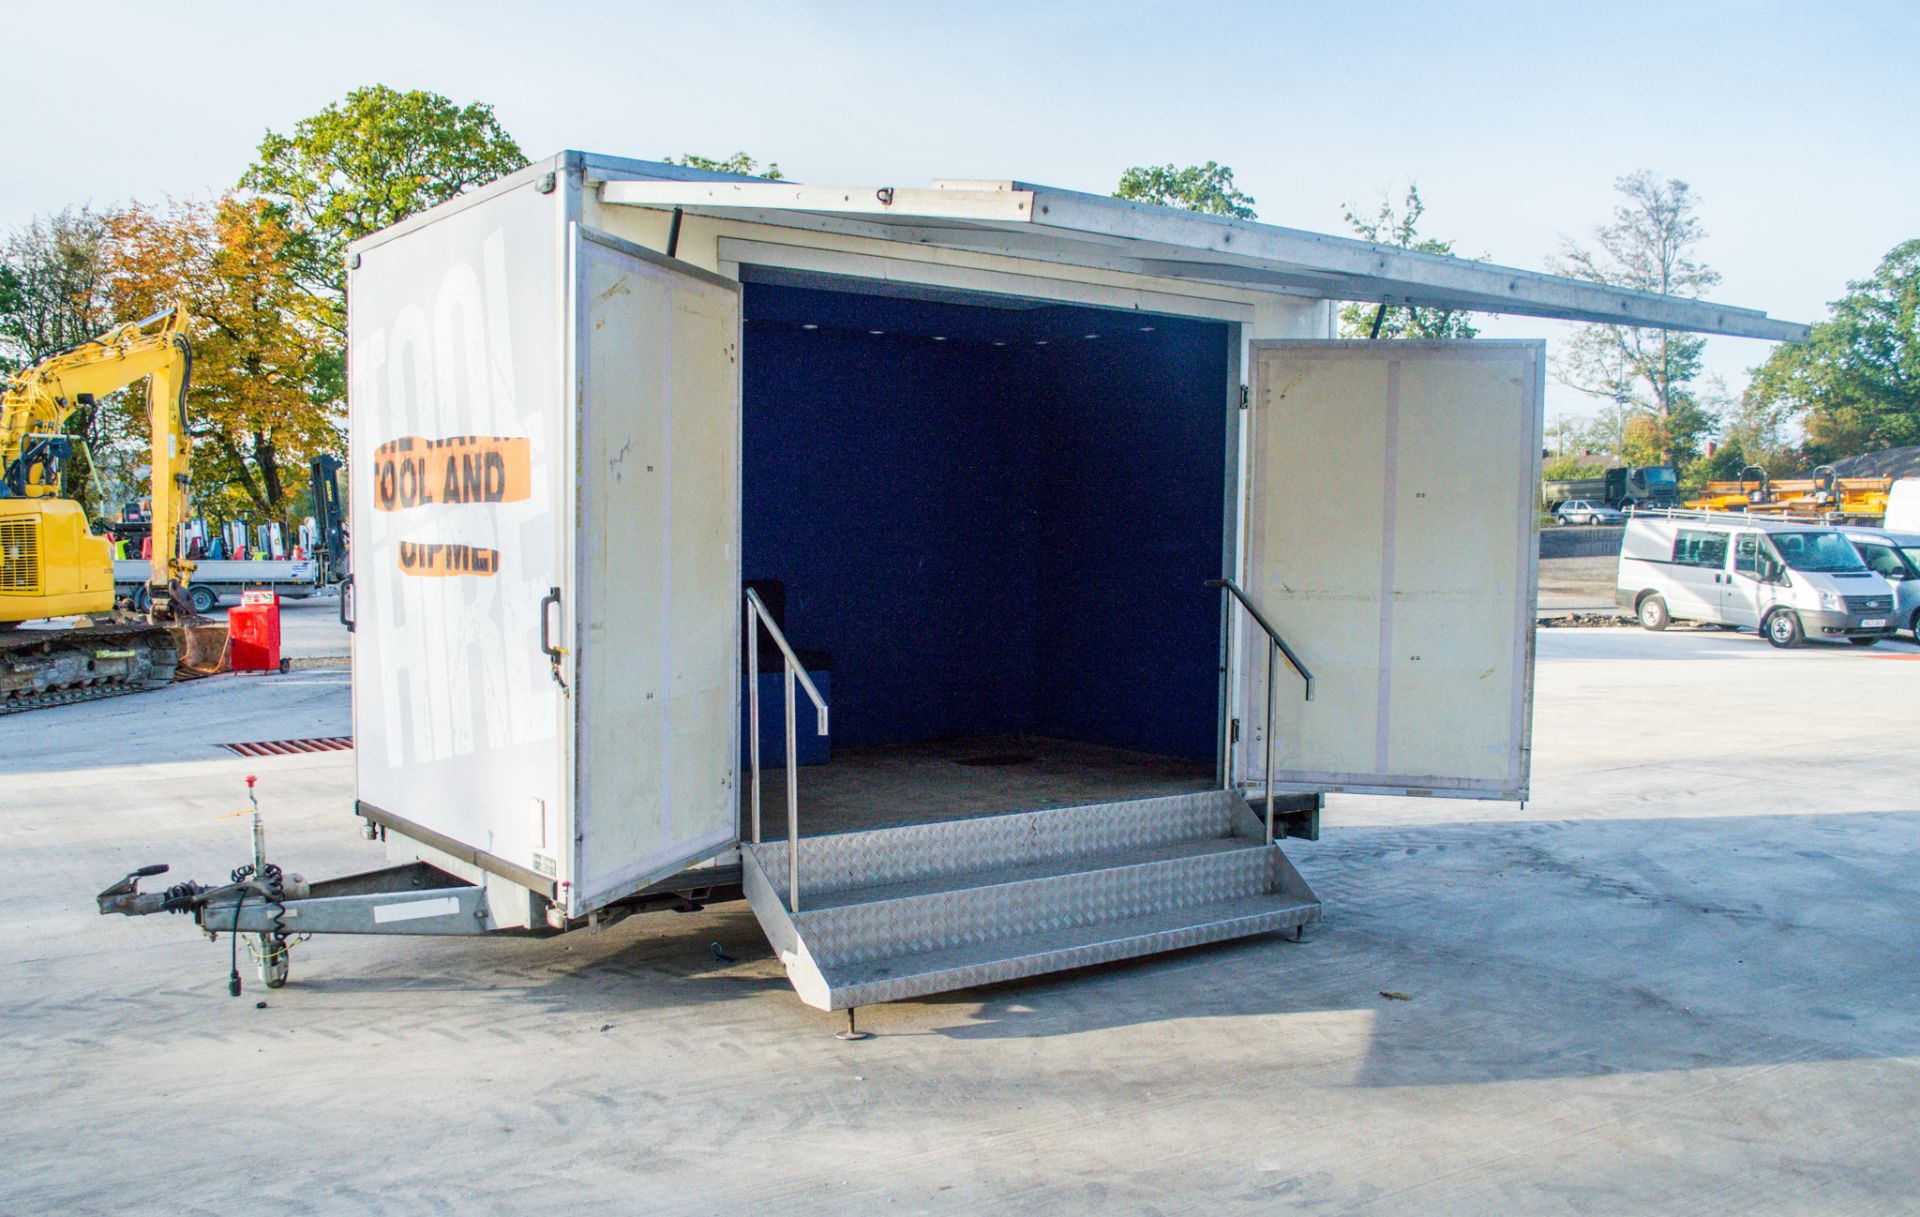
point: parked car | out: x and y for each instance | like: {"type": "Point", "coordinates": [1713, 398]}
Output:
{"type": "Point", "coordinates": [1895, 557]}
{"type": "Point", "coordinates": [1586, 511]}
{"type": "Point", "coordinates": [1790, 581]}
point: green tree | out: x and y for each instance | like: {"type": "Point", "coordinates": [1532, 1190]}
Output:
{"type": "Point", "coordinates": [1400, 228]}
{"type": "Point", "coordinates": [1855, 382]}
{"type": "Point", "coordinates": [739, 163]}
{"type": "Point", "coordinates": [56, 271]}
{"type": "Point", "coordinates": [1648, 246]}
{"type": "Point", "coordinates": [364, 163]}
{"type": "Point", "coordinates": [1205, 188]}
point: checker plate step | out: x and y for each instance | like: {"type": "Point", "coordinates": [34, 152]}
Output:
{"type": "Point", "coordinates": [894, 913]}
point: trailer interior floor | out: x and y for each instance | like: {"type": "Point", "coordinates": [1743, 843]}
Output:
{"type": "Point", "coordinates": [882, 787]}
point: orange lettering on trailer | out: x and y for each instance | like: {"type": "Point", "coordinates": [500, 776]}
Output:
{"type": "Point", "coordinates": [438, 559]}
{"type": "Point", "coordinates": [414, 472]}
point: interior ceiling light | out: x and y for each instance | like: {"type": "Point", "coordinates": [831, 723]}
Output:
{"type": "Point", "coordinates": [808, 325]}
{"type": "Point", "coordinates": [1146, 329]}
{"type": "Point", "coordinates": [876, 333]}
{"type": "Point", "coordinates": [939, 337]}
{"type": "Point", "coordinates": [1090, 337]}
{"type": "Point", "coordinates": [999, 344]}
{"type": "Point", "coordinates": [1039, 342]}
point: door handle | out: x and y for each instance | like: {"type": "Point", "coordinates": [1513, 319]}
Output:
{"type": "Point", "coordinates": [554, 654]}
{"type": "Point", "coordinates": [346, 603]}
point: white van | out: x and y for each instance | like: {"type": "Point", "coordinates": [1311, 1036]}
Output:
{"type": "Point", "coordinates": [1791, 581]}
{"type": "Point", "coordinates": [1895, 557]}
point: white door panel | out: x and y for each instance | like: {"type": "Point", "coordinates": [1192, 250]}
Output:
{"type": "Point", "coordinates": [1391, 540]}
{"type": "Point", "coordinates": [657, 621]}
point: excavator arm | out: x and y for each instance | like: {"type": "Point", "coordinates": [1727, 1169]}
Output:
{"type": "Point", "coordinates": [38, 401]}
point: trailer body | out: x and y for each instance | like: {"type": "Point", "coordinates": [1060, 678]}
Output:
{"type": "Point", "coordinates": [1016, 463]}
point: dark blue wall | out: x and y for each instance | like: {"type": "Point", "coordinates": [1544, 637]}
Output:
{"type": "Point", "coordinates": [988, 534]}
{"type": "Point", "coordinates": [1130, 520]}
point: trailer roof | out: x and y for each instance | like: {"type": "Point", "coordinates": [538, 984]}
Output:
{"type": "Point", "coordinates": [1020, 219]}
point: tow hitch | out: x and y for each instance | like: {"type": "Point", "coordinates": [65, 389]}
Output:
{"type": "Point", "coordinates": [276, 910]}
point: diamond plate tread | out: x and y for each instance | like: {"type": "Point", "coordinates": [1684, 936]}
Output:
{"type": "Point", "coordinates": [1053, 950]}
{"type": "Point", "coordinates": [958, 917]}
{"type": "Point", "coordinates": [923, 851]}
{"type": "Point", "coordinates": [1040, 869]}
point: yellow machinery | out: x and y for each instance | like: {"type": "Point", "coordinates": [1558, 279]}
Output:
{"type": "Point", "coordinates": [1822, 495]}
{"type": "Point", "coordinates": [51, 563]}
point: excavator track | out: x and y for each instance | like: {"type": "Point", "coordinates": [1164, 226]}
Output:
{"type": "Point", "coordinates": [44, 668]}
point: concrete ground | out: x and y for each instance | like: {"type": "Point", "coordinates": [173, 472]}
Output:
{"type": "Point", "coordinates": [1683, 979]}
{"type": "Point", "coordinates": [1577, 585]}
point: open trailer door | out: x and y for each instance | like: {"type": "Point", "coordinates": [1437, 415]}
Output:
{"type": "Point", "coordinates": [656, 591]}
{"type": "Point", "coordinates": [1391, 539]}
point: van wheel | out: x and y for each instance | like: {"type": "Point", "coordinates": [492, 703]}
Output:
{"type": "Point", "coordinates": [1783, 630]}
{"type": "Point", "coordinates": [1914, 625]}
{"type": "Point", "coordinates": [1653, 613]}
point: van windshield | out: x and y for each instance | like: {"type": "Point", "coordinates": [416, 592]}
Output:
{"type": "Point", "coordinates": [1817, 552]}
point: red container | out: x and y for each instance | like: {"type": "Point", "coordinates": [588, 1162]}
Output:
{"type": "Point", "coordinates": [253, 625]}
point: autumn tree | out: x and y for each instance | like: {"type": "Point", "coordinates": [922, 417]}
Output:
{"type": "Point", "coordinates": [739, 163]}
{"type": "Point", "coordinates": [251, 399]}
{"type": "Point", "coordinates": [1650, 245]}
{"type": "Point", "coordinates": [53, 296]}
{"type": "Point", "coordinates": [1399, 227]}
{"type": "Point", "coordinates": [1204, 188]}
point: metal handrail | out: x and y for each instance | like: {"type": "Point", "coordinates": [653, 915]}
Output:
{"type": "Point", "coordinates": [1275, 644]}
{"type": "Point", "coordinates": [757, 613]}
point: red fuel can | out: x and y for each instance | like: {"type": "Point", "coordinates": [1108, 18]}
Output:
{"type": "Point", "coordinates": [253, 625]}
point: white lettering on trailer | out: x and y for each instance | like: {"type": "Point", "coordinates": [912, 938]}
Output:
{"type": "Point", "coordinates": [413, 910]}
{"type": "Point", "coordinates": [449, 683]}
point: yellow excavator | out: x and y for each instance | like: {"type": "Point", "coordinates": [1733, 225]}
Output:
{"type": "Point", "coordinates": [52, 565]}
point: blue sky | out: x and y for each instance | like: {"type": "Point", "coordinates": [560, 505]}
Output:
{"type": "Point", "coordinates": [1794, 122]}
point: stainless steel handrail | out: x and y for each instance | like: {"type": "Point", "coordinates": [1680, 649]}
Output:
{"type": "Point", "coordinates": [757, 613]}
{"type": "Point", "coordinates": [1275, 643]}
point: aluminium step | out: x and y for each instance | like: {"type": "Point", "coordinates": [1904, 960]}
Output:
{"type": "Point", "coordinates": [893, 913]}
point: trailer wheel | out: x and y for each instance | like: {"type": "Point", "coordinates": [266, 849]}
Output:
{"type": "Point", "coordinates": [1782, 629]}
{"type": "Point", "coordinates": [142, 599]}
{"type": "Point", "coordinates": [1653, 613]}
{"type": "Point", "coordinates": [204, 598]}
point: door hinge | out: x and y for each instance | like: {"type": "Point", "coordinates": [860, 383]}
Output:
{"type": "Point", "coordinates": [1233, 734]}
{"type": "Point", "coordinates": [1246, 397]}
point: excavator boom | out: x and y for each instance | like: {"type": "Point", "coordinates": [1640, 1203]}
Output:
{"type": "Point", "coordinates": [51, 563]}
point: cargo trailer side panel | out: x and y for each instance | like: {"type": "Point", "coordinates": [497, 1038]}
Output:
{"type": "Point", "coordinates": [657, 591]}
{"type": "Point", "coordinates": [458, 422]}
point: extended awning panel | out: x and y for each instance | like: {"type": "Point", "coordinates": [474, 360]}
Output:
{"type": "Point", "coordinates": [1069, 227]}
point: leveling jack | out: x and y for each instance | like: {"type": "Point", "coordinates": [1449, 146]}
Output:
{"type": "Point", "coordinates": [222, 908]}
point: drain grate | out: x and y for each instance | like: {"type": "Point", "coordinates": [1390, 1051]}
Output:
{"type": "Point", "coordinates": [291, 747]}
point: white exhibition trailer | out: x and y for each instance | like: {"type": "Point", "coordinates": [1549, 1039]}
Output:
{"type": "Point", "coordinates": [986, 452]}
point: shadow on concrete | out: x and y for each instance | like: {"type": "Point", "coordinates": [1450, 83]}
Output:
{"type": "Point", "coordinates": [1526, 950]}
{"type": "Point", "coordinates": [1536, 950]}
